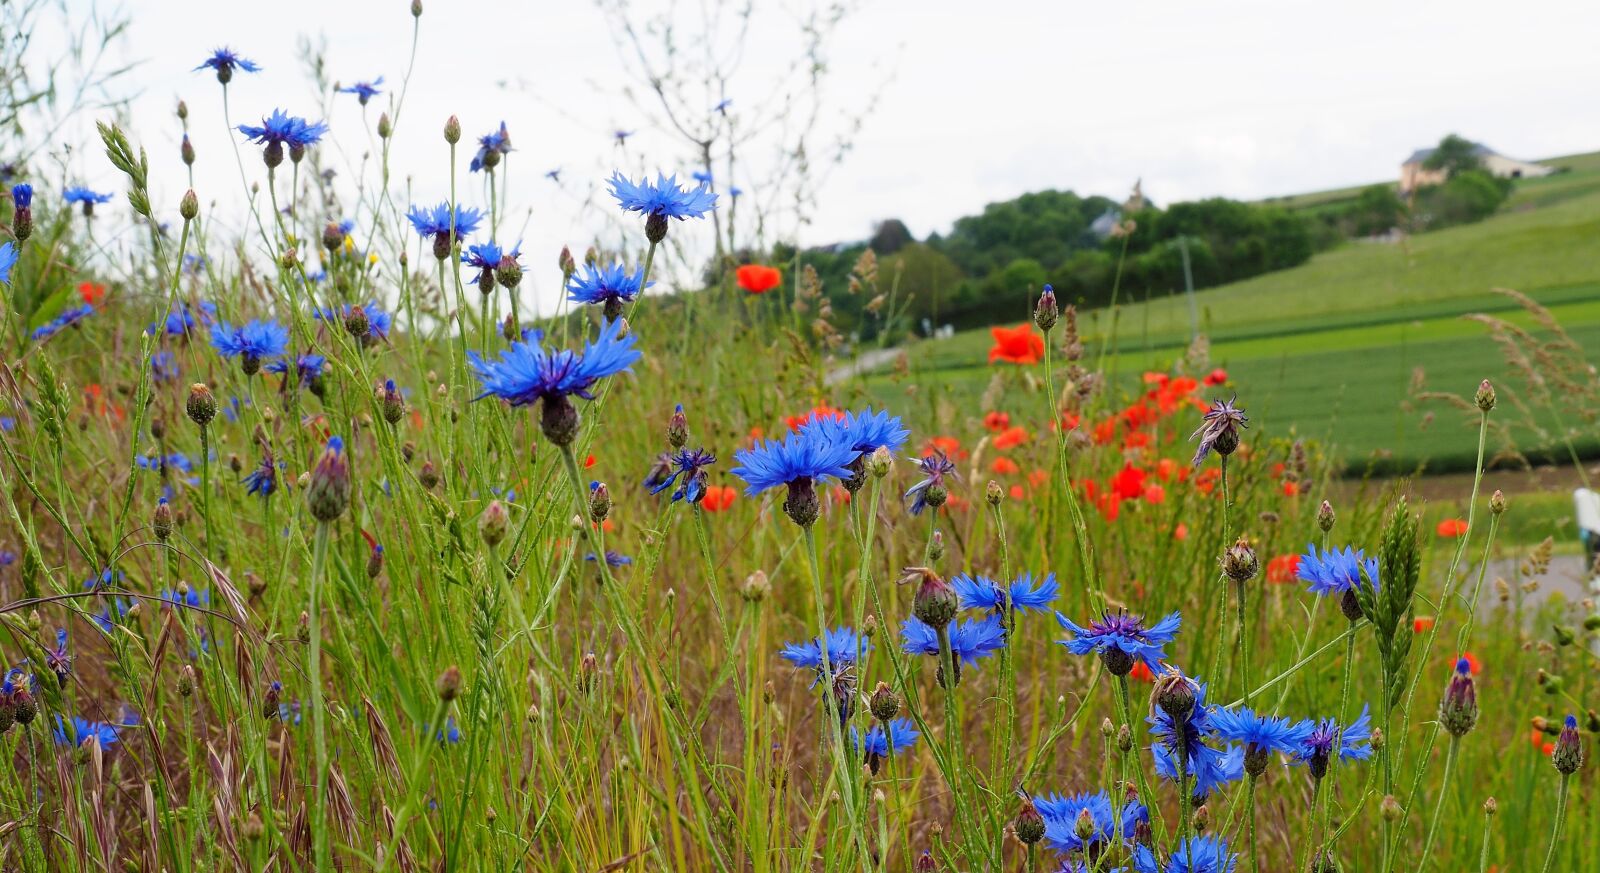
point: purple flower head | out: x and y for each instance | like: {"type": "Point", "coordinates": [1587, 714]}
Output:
{"type": "Point", "coordinates": [843, 647]}
{"type": "Point", "coordinates": [225, 60]}
{"type": "Point", "coordinates": [1219, 430]}
{"type": "Point", "coordinates": [58, 660]}
{"type": "Point", "coordinates": [1120, 639]}
{"type": "Point", "coordinates": [364, 91]}
{"type": "Point", "coordinates": [689, 465]}
{"type": "Point", "coordinates": [1353, 743]}
{"type": "Point", "coordinates": [932, 490]}
{"type": "Point", "coordinates": [491, 147]}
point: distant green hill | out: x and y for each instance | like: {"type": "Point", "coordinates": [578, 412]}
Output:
{"type": "Point", "coordinates": [1330, 348]}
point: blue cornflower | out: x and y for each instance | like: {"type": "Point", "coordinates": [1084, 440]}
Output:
{"type": "Point", "coordinates": [1219, 430]}
{"type": "Point", "coordinates": [253, 343]}
{"type": "Point", "coordinates": [164, 367]}
{"type": "Point", "coordinates": [81, 730]}
{"type": "Point", "coordinates": [1209, 767]}
{"type": "Point", "coordinates": [105, 580]}
{"type": "Point", "coordinates": [735, 192]}
{"type": "Point", "coordinates": [63, 321]}
{"type": "Point", "coordinates": [107, 618]}
{"type": "Point", "coordinates": [613, 559]}
{"type": "Point", "coordinates": [450, 733]}
{"type": "Point", "coordinates": [608, 286]}
{"type": "Point", "coordinates": [702, 177]}
{"type": "Point", "coordinates": [8, 259]}
{"type": "Point", "coordinates": [878, 745]}
{"type": "Point", "coordinates": [797, 462]}
{"type": "Point", "coordinates": [289, 712]}
{"type": "Point", "coordinates": [193, 598]}
{"type": "Point", "coordinates": [364, 91]}
{"type": "Point", "coordinates": [1061, 814]}
{"type": "Point", "coordinates": [970, 640]}
{"type": "Point", "coordinates": [687, 464]}
{"type": "Point", "coordinates": [435, 223]}
{"type": "Point", "coordinates": [526, 372]}
{"type": "Point", "coordinates": [843, 647]}
{"type": "Point", "coordinates": [487, 258]}
{"type": "Point", "coordinates": [22, 195]}
{"type": "Point", "coordinates": [1354, 743]}
{"type": "Point", "coordinates": [263, 480]}
{"type": "Point", "coordinates": [1261, 735]}
{"type": "Point", "coordinates": [224, 60]}
{"type": "Point", "coordinates": [378, 321]}
{"type": "Point", "coordinates": [1201, 854]}
{"type": "Point", "coordinates": [1120, 639]}
{"type": "Point", "coordinates": [932, 490]}
{"type": "Point", "coordinates": [865, 433]}
{"type": "Point", "coordinates": [59, 660]}
{"type": "Point", "coordinates": [164, 464]}
{"type": "Point", "coordinates": [281, 129]}
{"type": "Point", "coordinates": [490, 149]}
{"type": "Point", "coordinates": [87, 197]}
{"type": "Point", "coordinates": [308, 366]}
{"type": "Point", "coordinates": [985, 593]}
{"type": "Point", "coordinates": [1334, 571]}
{"type": "Point", "coordinates": [179, 321]}
{"type": "Point", "coordinates": [661, 200]}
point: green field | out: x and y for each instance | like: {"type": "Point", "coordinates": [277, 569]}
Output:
{"type": "Point", "coordinates": [1330, 348]}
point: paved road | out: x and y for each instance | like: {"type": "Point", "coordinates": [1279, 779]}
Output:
{"type": "Point", "coordinates": [1567, 575]}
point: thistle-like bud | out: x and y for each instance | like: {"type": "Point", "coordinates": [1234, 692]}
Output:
{"type": "Point", "coordinates": [508, 272]}
{"type": "Point", "coordinates": [1565, 636]}
{"type": "Point", "coordinates": [508, 329]}
{"type": "Point", "coordinates": [356, 322]}
{"type": "Point", "coordinates": [452, 130]}
{"type": "Point", "coordinates": [993, 493]}
{"type": "Point", "coordinates": [925, 863]}
{"type": "Point", "coordinates": [566, 262]}
{"type": "Point", "coordinates": [374, 562]}
{"type": "Point", "coordinates": [428, 475]}
{"type": "Point", "coordinates": [1459, 710]}
{"type": "Point", "coordinates": [1350, 604]}
{"type": "Point", "coordinates": [1325, 516]}
{"type": "Point", "coordinates": [189, 206]}
{"type": "Point", "coordinates": [161, 520]}
{"type": "Point", "coordinates": [1491, 807]}
{"type": "Point", "coordinates": [270, 700]}
{"type": "Point", "coordinates": [1046, 311]}
{"type": "Point", "coordinates": [493, 523]}
{"type": "Point", "coordinates": [678, 428]}
{"type": "Point", "coordinates": [449, 683]}
{"type": "Point", "coordinates": [599, 502]}
{"type": "Point", "coordinates": [1591, 622]}
{"type": "Point", "coordinates": [880, 462]}
{"type": "Point", "coordinates": [328, 492]}
{"type": "Point", "coordinates": [201, 406]}
{"type": "Point", "coordinates": [186, 151]}
{"type": "Point", "coordinates": [588, 669]}
{"type": "Point", "coordinates": [1378, 739]}
{"type": "Point", "coordinates": [183, 110]}
{"type": "Point", "coordinates": [1174, 694]}
{"type": "Point", "coordinates": [935, 603]}
{"type": "Point", "coordinates": [1084, 827]}
{"type": "Point", "coordinates": [655, 228]}
{"type": "Point", "coordinates": [802, 503]}
{"type": "Point", "coordinates": [1029, 824]}
{"type": "Point", "coordinates": [1484, 398]}
{"type": "Point", "coordinates": [23, 706]}
{"type": "Point", "coordinates": [390, 401]}
{"type": "Point", "coordinates": [1239, 562]}
{"type": "Point", "coordinates": [591, 256]}
{"type": "Point", "coordinates": [1497, 502]}
{"type": "Point", "coordinates": [22, 216]}
{"type": "Point", "coordinates": [936, 546]}
{"type": "Point", "coordinates": [884, 703]}
{"type": "Point", "coordinates": [1568, 754]}
{"type": "Point", "coordinates": [1390, 809]}
{"type": "Point", "coordinates": [1108, 728]}
{"type": "Point", "coordinates": [756, 587]}
{"type": "Point", "coordinates": [385, 126]}
{"type": "Point", "coordinates": [558, 418]}
{"type": "Point", "coordinates": [332, 236]}
{"type": "Point", "coordinates": [416, 8]}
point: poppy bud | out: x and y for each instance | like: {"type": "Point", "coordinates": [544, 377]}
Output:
{"type": "Point", "coordinates": [452, 130]}
{"type": "Point", "coordinates": [884, 703]}
{"type": "Point", "coordinates": [201, 406]}
{"type": "Point", "coordinates": [493, 523]}
{"type": "Point", "coordinates": [1046, 311]}
{"type": "Point", "coordinates": [189, 206]}
{"type": "Point", "coordinates": [328, 492]}
{"type": "Point", "coordinates": [1029, 824]}
{"type": "Point", "coordinates": [1485, 396]}
{"type": "Point", "coordinates": [161, 520]}
{"type": "Point", "coordinates": [1239, 562]}
{"type": "Point", "coordinates": [449, 683]}
{"type": "Point", "coordinates": [1568, 754]}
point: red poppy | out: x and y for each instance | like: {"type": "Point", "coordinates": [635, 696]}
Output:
{"type": "Point", "coordinates": [1037, 478]}
{"type": "Point", "coordinates": [1451, 527]}
{"type": "Point", "coordinates": [1017, 345]}
{"type": "Point", "coordinates": [996, 421]}
{"type": "Point", "coordinates": [1155, 494]}
{"type": "Point", "coordinates": [1128, 483]}
{"type": "Point", "coordinates": [1282, 569]}
{"type": "Point", "coordinates": [821, 411]}
{"type": "Point", "coordinates": [588, 462]}
{"type": "Point", "coordinates": [1181, 532]}
{"type": "Point", "coordinates": [1207, 480]}
{"type": "Point", "coordinates": [1017, 492]}
{"type": "Point", "coordinates": [1217, 376]}
{"type": "Point", "coordinates": [1011, 437]}
{"type": "Point", "coordinates": [949, 445]}
{"type": "Point", "coordinates": [1141, 672]}
{"type": "Point", "coordinates": [1291, 488]}
{"type": "Point", "coordinates": [91, 292]}
{"type": "Point", "coordinates": [1005, 466]}
{"type": "Point", "coordinates": [718, 497]}
{"type": "Point", "coordinates": [1422, 624]}
{"type": "Point", "coordinates": [757, 278]}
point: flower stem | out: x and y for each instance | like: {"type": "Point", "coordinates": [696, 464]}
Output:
{"type": "Point", "coordinates": [1438, 806]}
{"type": "Point", "coordinates": [319, 825]}
{"type": "Point", "coordinates": [1561, 820]}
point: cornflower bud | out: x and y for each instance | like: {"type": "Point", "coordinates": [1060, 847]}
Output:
{"type": "Point", "coordinates": [678, 428]}
{"type": "Point", "coordinates": [884, 703]}
{"type": "Point", "coordinates": [201, 406]}
{"type": "Point", "coordinates": [1484, 398]}
{"type": "Point", "coordinates": [328, 492]}
{"type": "Point", "coordinates": [189, 206]}
{"type": "Point", "coordinates": [935, 603]}
{"type": "Point", "coordinates": [879, 462]}
{"type": "Point", "coordinates": [1174, 694]}
{"type": "Point", "coordinates": [1084, 827]}
{"type": "Point", "coordinates": [755, 588]}
{"type": "Point", "coordinates": [1497, 502]}
{"type": "Point", "coordinates": [161, 520]}
{"type": "Point", "coordinates": [1568, 755]}
{"type": "Point", "coordinates": [599, 502]}
{"type": "Point", "coordinates": [1325, 516]}
{"type": "Point", "coordinates": [936, 546]}
{"type": "Point", "coordinates": [587, 670]}
{"type": "Point", "coordinates": [452, 130]}
{"type": "Point", "coordinates": [493, 523]}
{"type": "Point", "coordinates": [269, 700]}
{"type": "Point", "coordinates": [1046, 311]}
{"type": "Point", "coordinates": [186, 679]}
{"type": "Point", "coordinates": [390, 401]}
{"type": "Point", "coordinates": [449, 683]}
{"type": "Point", "coordinates": [1491, 806]}
{"type": "Point", "coordinates": [1029, 824]}
{"type": "Point", "coordinates": [508, 272]}
{"type": "Point", "coordinates": [385, 126]}
{"type": "Point", "coordinates": [1459, 710]}
{"type": "Point", "coordinates": [1239, 562]}
{"type": "Point", "coordinates": [993, 493]}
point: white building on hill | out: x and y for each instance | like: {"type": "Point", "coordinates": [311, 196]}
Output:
{"type": "Point", "coordinates": [1414, 175]}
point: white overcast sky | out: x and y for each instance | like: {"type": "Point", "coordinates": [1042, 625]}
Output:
{"type": "Point", "coordinates": [978, 102]}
